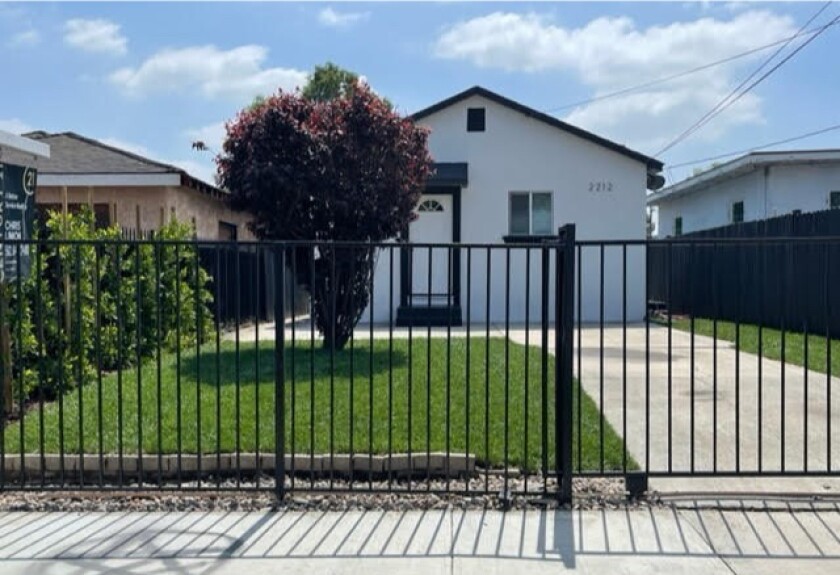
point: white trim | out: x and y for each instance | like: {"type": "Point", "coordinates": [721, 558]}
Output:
{"type": "Point", "coordinates": [140, 180]}
{"type": "Point", "coordinates": [24, 145]}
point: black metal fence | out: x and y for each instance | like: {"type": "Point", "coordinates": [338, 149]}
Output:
{"type": "Point", "coordinates": [738, 388]}
{"type": "Point", "coordinates": [545, 364]}
{"type": "Point", "coordinates": [120, 374]}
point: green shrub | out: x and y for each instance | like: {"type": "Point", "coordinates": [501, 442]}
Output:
{"type": "Point", "coordinates": [98, 303]}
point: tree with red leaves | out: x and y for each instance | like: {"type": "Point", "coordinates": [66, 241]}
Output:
{"type": "Point", "coordinates": [345, 169]}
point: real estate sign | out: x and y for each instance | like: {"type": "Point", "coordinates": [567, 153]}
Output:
{"type": "Point", "coordinates": [17, 218]}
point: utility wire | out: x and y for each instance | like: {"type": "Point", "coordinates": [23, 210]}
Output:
{"type": "Point", "coordinates": [684, 73]}
{"type": "Point", "coordinates": [738, 92]}
{"type": "Point", "coordinates": [757, 148]}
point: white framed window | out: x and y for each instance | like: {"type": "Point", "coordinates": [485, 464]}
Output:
{"type": "Point", "coordinates": [678, 226]}
{"type": "Point", "coordinates": [530, 213]}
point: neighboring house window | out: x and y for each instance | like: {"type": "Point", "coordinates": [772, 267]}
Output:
{"type": "Point", "coordinates": [737, 212]}
{"type": "Point", "coordinates": [227, 231]}
{"type": "Point", "coordinates": [430, 206]}
{"type": "Point", "coordinates": [530, 214]}
{"type": "Point", "coordinates": [102, 215]}
{"type": "Point", "coordinates": [678, 226]}
{"type": "Point", "coordinates": [834, 200]}
{"type": "Point", "coordinates": [475, 119]}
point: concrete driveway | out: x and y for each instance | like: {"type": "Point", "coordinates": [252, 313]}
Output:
{"type": "Point", "coordinates": [728, 430]}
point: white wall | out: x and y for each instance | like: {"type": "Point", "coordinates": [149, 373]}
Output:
{"type": "Point", "coordinates": [518, 153]}
{"type": "Point", "coordinates": [801, 187]}
{"type": "Point", "coordinates": [766, 192]}
{"type": "Point", "coordinates": [712, 206]}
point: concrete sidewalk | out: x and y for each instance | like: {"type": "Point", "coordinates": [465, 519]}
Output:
{"type": "Point", "coordinates": [665, 539]}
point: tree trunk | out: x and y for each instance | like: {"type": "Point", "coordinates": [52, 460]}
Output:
{"type": "Point", "coordinates": [341, 291]}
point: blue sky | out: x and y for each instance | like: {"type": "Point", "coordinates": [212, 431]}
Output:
{"type": "Point", "coordinates": [153, 77]}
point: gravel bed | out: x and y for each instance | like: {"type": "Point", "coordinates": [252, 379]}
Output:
{"type": "Point", "coordinates": [589, 493]}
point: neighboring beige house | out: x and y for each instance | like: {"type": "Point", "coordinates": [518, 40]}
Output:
{"type": "Point", "coordinates": [127, 189]}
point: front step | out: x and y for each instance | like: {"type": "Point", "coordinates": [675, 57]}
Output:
{"type": "Point", "coordinates": [429, 316]}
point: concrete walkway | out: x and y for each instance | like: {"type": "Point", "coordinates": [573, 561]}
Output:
{"type": "Point", "coordinates": [666, 540]}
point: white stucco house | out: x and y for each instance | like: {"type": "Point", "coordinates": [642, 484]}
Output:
{"type": "Point", "coordinates": [756, 186]}
{"type": "Point", "coordinates": [505, 172]}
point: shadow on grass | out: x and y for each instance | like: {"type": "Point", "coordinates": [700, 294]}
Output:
{"type": "Point", "coordinates": [254, 364]}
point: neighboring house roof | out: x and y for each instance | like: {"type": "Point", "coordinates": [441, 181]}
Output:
{"type": "Point", "coordinates": [652, 163]}
{"type": "Point", "coordinates": [75, 155]}
{"type": "Point", "coordinates": [740, 166]}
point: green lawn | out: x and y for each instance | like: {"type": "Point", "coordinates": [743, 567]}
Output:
{"type": "Point", "coordinates": [771, 343]}
{"type": "Point", "coordinates": [210, 382]}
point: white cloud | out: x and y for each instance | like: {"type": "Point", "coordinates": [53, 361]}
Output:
{"type": "Point", "coordinates": [611, 53]}
{"type": "Point", "coordinates": [25, 39]}
{"type": "Point", "coordinates": [334, 19]}
{"type": "Point", "coordinates": [97, 35]}
{"type": "Point", "coordinates": [237, 74]}
{"type": "Point", "coordinates": [15, 126]}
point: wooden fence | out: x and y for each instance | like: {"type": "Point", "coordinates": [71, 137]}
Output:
{"type": "Point", "coordinates": [788, 277]}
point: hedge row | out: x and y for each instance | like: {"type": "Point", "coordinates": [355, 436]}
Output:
{"type": "Point", "coordinates": [117, 299]}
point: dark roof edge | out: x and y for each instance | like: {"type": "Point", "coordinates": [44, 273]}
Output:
{"type": "Point", "coordinates": [187, 180]}
{"type": "Point", "coordinates": [651, 163]}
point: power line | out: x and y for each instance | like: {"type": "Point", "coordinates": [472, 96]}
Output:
{"type": "Point", "coordinates": [678, 75]}
{"type": "Point", "coordinates": [736, 95]}
{"type": "Point", "coordinates": [757, 148]}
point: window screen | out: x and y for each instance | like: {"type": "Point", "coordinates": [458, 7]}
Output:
{"type": "Point", "coordinates": [520, 214]}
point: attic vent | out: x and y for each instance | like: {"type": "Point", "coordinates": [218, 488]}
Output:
{"type": "Point", "coordinates": [475, 119]}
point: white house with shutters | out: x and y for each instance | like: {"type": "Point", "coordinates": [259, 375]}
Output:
{"type": "Point", "coordinates": [756, 186]}
{"type": "Point", "coordinates": [505, 172]}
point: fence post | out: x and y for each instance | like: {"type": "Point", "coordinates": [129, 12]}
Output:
{"type": "Point", "coordinates": [280, 371]}
{"type": "Point", "coordinates": [564, 275]}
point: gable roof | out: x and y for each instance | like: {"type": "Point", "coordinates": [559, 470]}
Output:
{"type": "Point", "coordinates": [652, 163]}
{"type": "Point", "coordinates": [73, 154]}
{"type": "Point", "coordinates": [743, 165]}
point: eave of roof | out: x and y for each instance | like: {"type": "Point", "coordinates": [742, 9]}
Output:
{"type": "Point", "coordinates": [23, 144]}
{"type": "Point", "coordinates": [742, 165]}
{"type": "Point", "coordinates": [651, 163]}
{"type": "Point", "coordinates": [187, 180]}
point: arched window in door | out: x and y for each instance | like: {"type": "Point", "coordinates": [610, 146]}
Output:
{"type": "Point", "coordinates": [430, 206]}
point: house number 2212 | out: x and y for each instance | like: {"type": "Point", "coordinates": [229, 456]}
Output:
{"type": "Point", "coordinates": [603, 186]}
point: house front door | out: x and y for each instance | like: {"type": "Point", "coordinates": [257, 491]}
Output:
{"type": "Point", "coordinates": [429, 267]}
